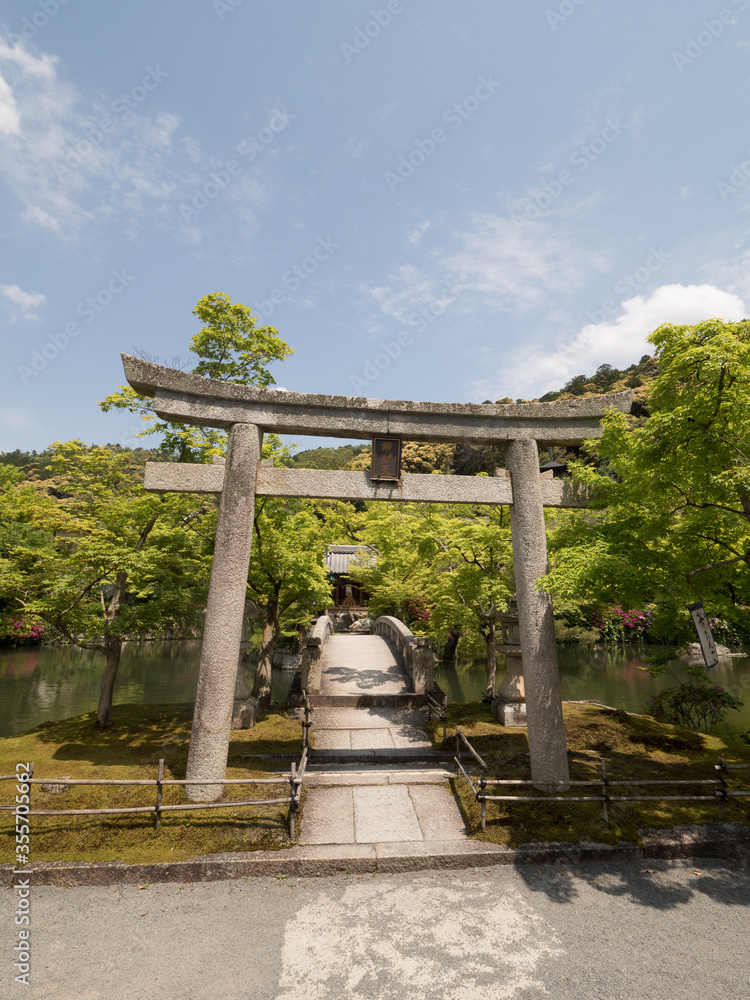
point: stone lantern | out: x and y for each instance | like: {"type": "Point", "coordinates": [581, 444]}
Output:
{"type": "Point", "coordinates": [509, 704]}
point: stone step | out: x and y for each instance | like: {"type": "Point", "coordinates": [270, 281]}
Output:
{"type": "Point", "coordinates": [368, 700]}
{"type": "Point", "coordinates": [374, 775]}
{"type": "Point", "coordinates": [379, 755]}
{"type": "Point", "coordinates": [385, 812]}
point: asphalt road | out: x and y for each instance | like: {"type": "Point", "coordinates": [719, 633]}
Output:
{"type": "Point", "coordinates": [672, 931]}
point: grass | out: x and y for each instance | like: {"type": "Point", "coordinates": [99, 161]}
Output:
{"type": "Point", "coordinates": [634, 746]}
{"type": "Point", "coordinates": [131, 748]}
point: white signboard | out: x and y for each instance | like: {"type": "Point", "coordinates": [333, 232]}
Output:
{"type": "Point", "coordinates": [705, 636]}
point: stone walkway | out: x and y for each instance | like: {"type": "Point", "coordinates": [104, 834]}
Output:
{"type": "Point", "coordinates": [361, 664]}
{"type": "Point", "coordinates": [371, 786]}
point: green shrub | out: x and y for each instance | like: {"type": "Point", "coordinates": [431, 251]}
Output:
{"type": "Point", "coordinates": [692, 705]}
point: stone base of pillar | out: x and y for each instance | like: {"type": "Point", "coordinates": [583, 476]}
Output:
{"type": "Point", "coordinates": [510, 713]}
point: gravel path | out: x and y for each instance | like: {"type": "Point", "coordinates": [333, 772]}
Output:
{"type": "Point", "coordinates": [658, 931]}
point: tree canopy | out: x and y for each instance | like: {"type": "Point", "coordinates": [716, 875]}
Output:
{"type": "Point", "coordinates": [670, 522]}
{"type": "Point", "coordinates": [231, 348]}
{"type": "Point", "coordinates": [98, 559]}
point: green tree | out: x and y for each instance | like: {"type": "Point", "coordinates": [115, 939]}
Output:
{"type": "Point", "coordinates": [287, 580]}
{"type": "Point", "coordinates": [399, 580]}
{"type": "Point", "coordinates": [671, 524]}
{"type": "Point", "coordinates": [474, 578]}
{"type": "Point", "coordinates": [440, 568]}
{"type": "Point", "coordinates": [231, 348]}
{"type": "Point", "coordinates": [22, 540]}
{"type": "Point", "coordinates": [98, 559]}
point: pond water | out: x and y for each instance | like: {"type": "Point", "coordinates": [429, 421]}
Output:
{"type": "Point", "coordinates": [40, 684]}
{"type": "Point", "coordinates": [46, 683]}
{"type": "Point", "coordinates": [612, 675]}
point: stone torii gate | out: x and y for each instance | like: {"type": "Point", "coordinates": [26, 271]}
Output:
{"type": "Point", "coordinates": [246, 413]}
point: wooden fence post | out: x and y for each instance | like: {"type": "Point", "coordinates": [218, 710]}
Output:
{"type": "Point", "coordinates": [159, 793]}
{"type": "Point", "coordinates": [292, 799]}
{"type": "Point", "coordinates": [722, 791]}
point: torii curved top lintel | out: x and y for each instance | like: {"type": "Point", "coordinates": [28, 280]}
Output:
{"type": "Point", "coordinates": [182, 396]}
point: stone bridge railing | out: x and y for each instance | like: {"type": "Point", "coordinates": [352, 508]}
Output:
{"type": "Point", "coordinates": [312, 649]}
{"type": "Point", "coordinates": [416, 651]}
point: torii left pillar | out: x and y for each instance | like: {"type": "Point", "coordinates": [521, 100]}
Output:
{"type": "Point", "coordinates": [222, 634]}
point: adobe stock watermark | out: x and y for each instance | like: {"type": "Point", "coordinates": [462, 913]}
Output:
{"type": "Point", "coordinates": [121, 108]}
{"type": "Point", "coordinates": [88, 310]}
{"type": "Point", "coordinates": [738, 179]}
{"type": "Point", "coordinates": [455, 116]}
{"type": "Point", "coordinates": [379, 19]}
{"type": "Point", "coordinates": [219, 179]}
{"type": "Point", "coordinates": [711, 29]}
{"type": "Point", "coordinates": [392, 350]}
{"type": "Point", "coordinates": [296, 276]}
{"type": "Point", "coordinates": [224, 7]}
{"type": "Point", "coordinates": [582, 158]}
{"type": "Point", "coordinates": [630, 284]}
{"type": "Point", "coordinates": [565, 10]}
{"type": "Point", "coordinates": [380, 362]}
{"type": "Point", "coordinates": [21, 885]}
{"type": "Point", "coordinates": [31, 26]}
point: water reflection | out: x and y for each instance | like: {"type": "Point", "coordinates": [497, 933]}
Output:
{"type": "Point", "coordinates": [56, 682]}
{"type": "Point", "coordinates": [610, 674]}
{"type": "Point", "coordinates": [50, 682]}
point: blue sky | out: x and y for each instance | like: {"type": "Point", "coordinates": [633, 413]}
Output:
{"type": "Point", "coordinates": [429, 200]}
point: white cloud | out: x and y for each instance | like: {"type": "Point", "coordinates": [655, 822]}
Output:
{"type": "Point", "coordinates": [508, 266]}
{"type": "Point", "coordinates": [72, 178]}
{"type": "Point", "coordinates": [732, 269]}
{"type": "Point", "coordinates": [518, 265]}
{"type": "Point", "coordinates": [415, 236]}
{"type": "Point", "coordinates": [26, 301]}
{"type": "Point", "coordinates": [68, 175]}
{"type": "Point", "coordinates": [38, 217]}
{"type": "Point", "coordinates": [42, 66]}
{"type": "Point", "coordinates": [192, 148]}
{"type": "Point", "coordinates": [10, 119]}
{"type": "Point", "coordinates": [409, 290]}
{"type": "Point", "coordinates": [619, 342]}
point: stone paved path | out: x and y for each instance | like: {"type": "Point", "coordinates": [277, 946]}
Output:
{"type": "Point", "coordinates": [355, 804]}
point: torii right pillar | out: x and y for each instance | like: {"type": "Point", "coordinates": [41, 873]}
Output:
{"type": "Point", "coordinates": [547, 749]}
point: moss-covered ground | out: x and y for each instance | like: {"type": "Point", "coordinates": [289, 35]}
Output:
{"type": "Point", "coordinates": [634, 747]}
{"type": "Point", "coordinates": [131, 748]}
